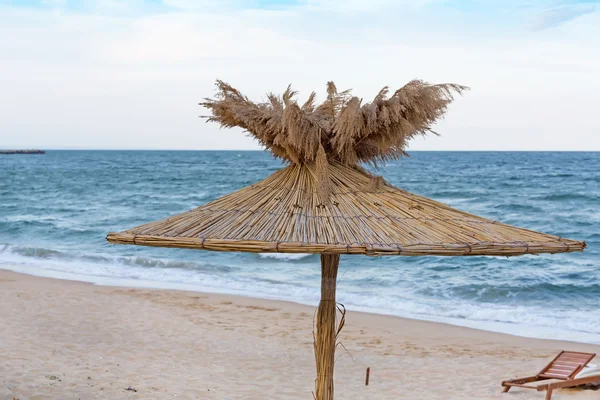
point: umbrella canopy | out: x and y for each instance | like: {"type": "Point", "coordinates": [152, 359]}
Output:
{"type": "Point", "coordinates": [284, 213]}
{"type": "Point", "coordinates": [325, 202]}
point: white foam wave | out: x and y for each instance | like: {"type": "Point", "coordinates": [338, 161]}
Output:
{"type": "Point", "coordinates": [284, 256]}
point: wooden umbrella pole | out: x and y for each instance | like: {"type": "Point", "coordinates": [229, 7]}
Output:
{"type": "Point", "coordinates": [325, 341]}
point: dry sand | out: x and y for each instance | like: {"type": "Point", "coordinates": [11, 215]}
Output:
{"type": "Point", "coordinates": [72, 340]}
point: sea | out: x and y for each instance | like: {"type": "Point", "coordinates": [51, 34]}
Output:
{"type": "Point", "coordinates": [56, 209]}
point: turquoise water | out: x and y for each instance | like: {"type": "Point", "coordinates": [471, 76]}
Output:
{"type": "Point", "coordinates": [56, 209]}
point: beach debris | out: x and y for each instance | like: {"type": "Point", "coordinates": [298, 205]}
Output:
{"type": "Point", "coordinates": [53, 378]}
{"type": "Point", "coordinates": [367, 376]}
{"type": "Point", "coordinates": [129, 388]}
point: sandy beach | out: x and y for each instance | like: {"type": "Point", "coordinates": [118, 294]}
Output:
{"type": "Point", "coordinates": [62, 340]}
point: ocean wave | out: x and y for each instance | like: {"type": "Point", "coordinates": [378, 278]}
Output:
{"type": "Point", "coordinates": [36, 252]}
{"type": "Point", "coordinates": [567, 197]}
{"type": "Point", "coordinates": [518, 207]}
{"type": "Point", "coordinates": [33, 254]}
{"type": "Point", "coordinates": [44, 224]}
{"type": "Point", "coordinates": [530, 292]}
{"type": "Point", "coordinates": [285, 256]}
{"type": "Point", "coordinates": [447, 194]}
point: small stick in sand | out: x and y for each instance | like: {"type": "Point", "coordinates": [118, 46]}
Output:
{"type": "Point", "coordinates": [367, 377]}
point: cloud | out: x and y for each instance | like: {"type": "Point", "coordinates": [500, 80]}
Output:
{"type": "Point", "coordinates": [133, 80]}
{"type": "Point", "coordinates": [353, 6]}
{"type": "Point", "coordinates": [54, 3]}
{"type": "Point", "coordinates": [561, 14]}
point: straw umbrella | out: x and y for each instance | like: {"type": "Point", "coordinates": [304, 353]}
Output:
{"type": "Point", "coordinates": [325, 202]}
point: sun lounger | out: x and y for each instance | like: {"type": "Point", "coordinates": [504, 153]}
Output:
{"type": "Point", "coordinates": [568, 369]}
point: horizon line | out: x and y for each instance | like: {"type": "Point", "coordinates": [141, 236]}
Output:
{"type": "Point", "coordinates": [265, 150]}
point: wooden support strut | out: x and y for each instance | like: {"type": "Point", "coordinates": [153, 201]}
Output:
{"type": "Point", "coordinates": [326, 331]}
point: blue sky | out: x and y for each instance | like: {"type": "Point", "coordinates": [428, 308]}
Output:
{"type": "Point", "coordinates": [129, 73]}
{"type": "Point", "coordinates": [558, 11]}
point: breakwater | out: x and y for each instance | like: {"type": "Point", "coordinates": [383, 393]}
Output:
{"type": "Point", "coordinates": [22, 152]}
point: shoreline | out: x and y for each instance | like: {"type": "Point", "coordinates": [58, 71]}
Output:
{"type": "Point", "coordinates": [70, 338]}
{"type": "Point", "coordinates": [268, 302]}
{"type": "Point", "coordinates": [524, 331]}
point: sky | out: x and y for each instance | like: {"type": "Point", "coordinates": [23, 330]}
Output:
{"type": "Point", "coordinates": [128, 74]}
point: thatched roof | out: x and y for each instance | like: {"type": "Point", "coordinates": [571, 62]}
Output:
{"type": "Point", "coordinates": [285, 213]}
{"type": "Point", "coordinates": [324, 201]}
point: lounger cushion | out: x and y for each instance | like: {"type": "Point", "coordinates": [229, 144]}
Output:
{"type": "Point", "coordinates": [590, 370]}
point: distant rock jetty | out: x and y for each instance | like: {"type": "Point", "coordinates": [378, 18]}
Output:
{"type": "Point", "coordinates": [22, 152]}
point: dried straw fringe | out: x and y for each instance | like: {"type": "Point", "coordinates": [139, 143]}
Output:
{"type": "Point", "coordinates": [341, 129]}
